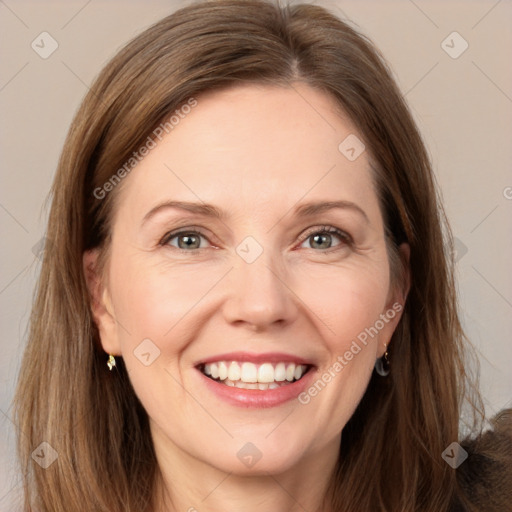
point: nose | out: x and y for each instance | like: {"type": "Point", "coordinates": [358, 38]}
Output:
{"type": "Point", "coordinates": [259, 296]}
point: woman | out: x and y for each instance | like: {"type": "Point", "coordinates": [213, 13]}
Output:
{"type": "Point", "coordinates": [206, 338]}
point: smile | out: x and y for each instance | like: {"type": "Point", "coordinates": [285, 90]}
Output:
{"type": "Point", "coordinates": [247, 375]}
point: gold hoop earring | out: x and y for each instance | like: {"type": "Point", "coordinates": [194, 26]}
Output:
{"type": "Point", "coordinates": [111, 362]}
{"type": "Point", "coordinates": [382, 364]}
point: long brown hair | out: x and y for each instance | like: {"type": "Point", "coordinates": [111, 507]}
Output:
{"type": "Point", "coordinates": [391, 448]}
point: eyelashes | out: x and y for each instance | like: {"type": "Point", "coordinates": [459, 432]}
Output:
{"type": "Point", "coordinates": [343, 236]}
{"type": "Point", "coordinates": [193, 236]}
{"type": "Point", "coordinates": [175, 234]}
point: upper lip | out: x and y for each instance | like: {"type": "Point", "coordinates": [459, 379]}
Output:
{"type": "Point", "coordinates": [250, 357]}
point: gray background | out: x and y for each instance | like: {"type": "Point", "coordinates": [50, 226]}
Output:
{"type": "Point", "coordinates": [463, 107]}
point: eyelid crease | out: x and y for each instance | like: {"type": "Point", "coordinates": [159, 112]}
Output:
{"type": "Point", "coordinates": [185, 230]}
{"type": "Point", "coordinates": [331, 230]}
{"type": "Point", "coordinates": [345, 237]}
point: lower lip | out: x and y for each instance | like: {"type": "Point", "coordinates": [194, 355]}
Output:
{"type": "Point", "coordinates": [256, 398]}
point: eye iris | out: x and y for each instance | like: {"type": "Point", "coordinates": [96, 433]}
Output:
{"type": "Point", "coordinates": [189, 241]}
{"type": "Point", "coordinates": [321, 238]}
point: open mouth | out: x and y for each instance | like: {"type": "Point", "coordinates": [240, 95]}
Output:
{"type": "Point", "coordinates": [246, 375]}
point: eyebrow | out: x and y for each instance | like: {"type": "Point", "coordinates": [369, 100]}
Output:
{"type": "Point", "coordinates": [314, 208]}
{"type": "Point", "coordinates": [207, 210]}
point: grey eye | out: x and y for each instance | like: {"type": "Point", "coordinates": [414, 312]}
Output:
{"type": "Point", "coordinates": [186, 240]}
{"type": "Point", "coordinates": [323, 239]}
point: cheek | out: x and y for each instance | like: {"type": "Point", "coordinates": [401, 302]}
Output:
{"type": "Point", "coordinates": [157, 301]}
{"type": "Point", "coordinates": [347, 299]}
{"type": "Point", "coordinates": [156, 307]}
{"type": "Point", "coordinates": [152, 300]}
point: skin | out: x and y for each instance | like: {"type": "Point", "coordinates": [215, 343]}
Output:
{"type": "Point", "coordinates": [256, 152]}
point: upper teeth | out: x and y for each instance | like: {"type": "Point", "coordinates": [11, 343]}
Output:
{"type": "Point", "coordinates": [250, 372]}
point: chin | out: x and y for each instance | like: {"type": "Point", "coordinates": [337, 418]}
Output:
{"type": "Point", "coordinates": [259, 457]}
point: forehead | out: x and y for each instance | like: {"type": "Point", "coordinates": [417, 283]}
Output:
{"type": "Point", "coordinates": [253, 147]}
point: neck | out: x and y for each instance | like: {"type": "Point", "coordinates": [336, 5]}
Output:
{"type": "Point", "coordinates": [186, 484]}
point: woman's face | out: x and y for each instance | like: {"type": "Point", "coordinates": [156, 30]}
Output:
{"type": "Point", "coordinates": [280, 273]}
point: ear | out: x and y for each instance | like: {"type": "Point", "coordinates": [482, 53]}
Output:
{"type": "Point", "coordinates": [101, 303]}
{"type": "Point", "coordinates": [396, 300]}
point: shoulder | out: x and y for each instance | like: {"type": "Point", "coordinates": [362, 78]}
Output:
{"type": "Point", "coordinates": [485, 477]}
